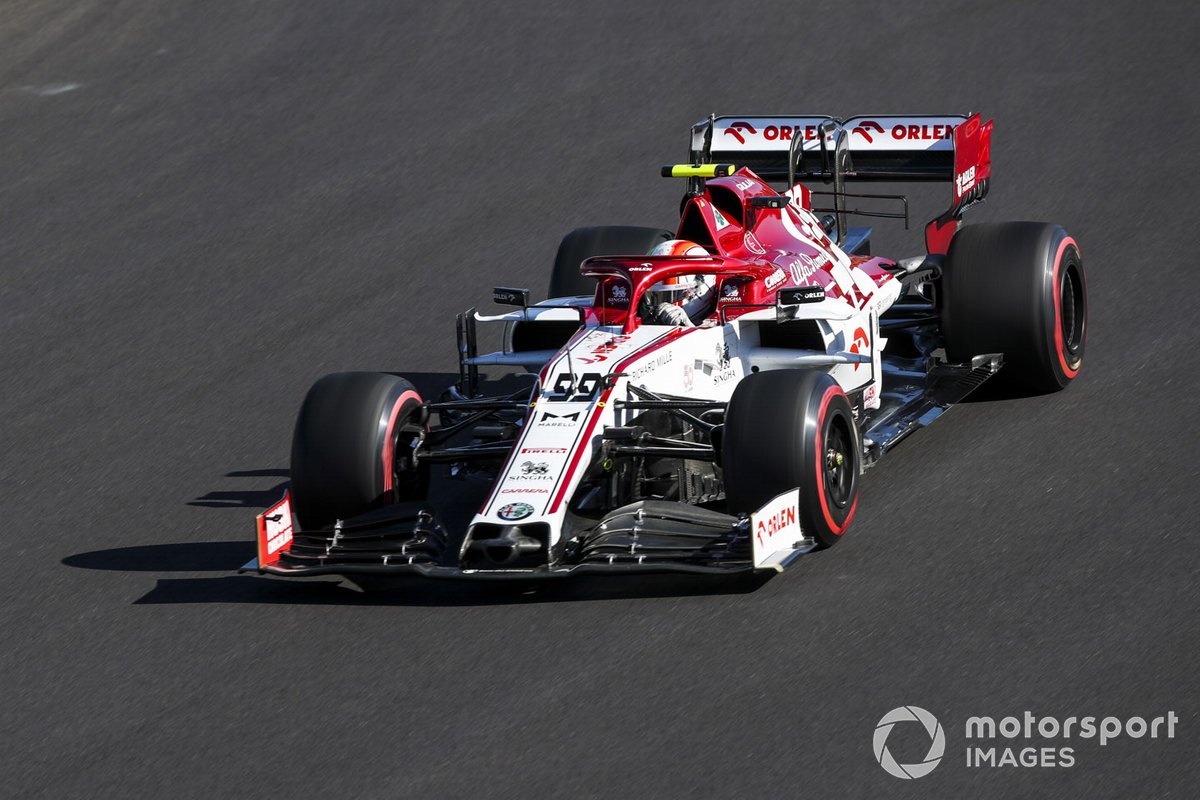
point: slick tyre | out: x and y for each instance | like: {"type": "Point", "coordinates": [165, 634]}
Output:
{"type": "Point", "coordinates": [793, 428]}
{"type": "Point", "coordinates": [352, 447]}
{"type": "Point", "coordinates": [1017, 288]}
{"type": "Point", "coordinates": [604, 240]}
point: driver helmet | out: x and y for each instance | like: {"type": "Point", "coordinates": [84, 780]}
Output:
{"type": "Point", "coordinates": [692, 293]}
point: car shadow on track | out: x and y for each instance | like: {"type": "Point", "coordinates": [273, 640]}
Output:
{"type": "Point", "coordinates": [997, 390]}
{"type": "Point", "coordinates": [243, 498]}
{"type": "Point", "coordinates": [252, 589]}
{"type": "Point", "coordinates": [441, 593]}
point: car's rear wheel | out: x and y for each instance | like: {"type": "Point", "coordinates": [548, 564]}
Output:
{"type": "Point", "coordinates": [352, 448]}
{"type": "Point", "coordinates": [793, 428]}
{"type": "Point", "coordinates": [602, 240]}
{"type": "Point", "coordinates": [1017, 288]}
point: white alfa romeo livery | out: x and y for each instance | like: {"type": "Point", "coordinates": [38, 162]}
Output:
{"type": "Point", "coordinates": [703, 399]}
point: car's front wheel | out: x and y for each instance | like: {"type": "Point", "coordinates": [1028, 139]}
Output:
{"type": "Point", "coordinates": [352, 448]}
{"type": "Point", "coordinates": [788, 429]}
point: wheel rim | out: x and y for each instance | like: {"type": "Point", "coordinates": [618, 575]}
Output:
{"type": "Point", "coordinates": [1072, 314]}
{"type": "Point", "coordinates": [404, 468]}
{"type": "Point", "coordinates": [838, 464]}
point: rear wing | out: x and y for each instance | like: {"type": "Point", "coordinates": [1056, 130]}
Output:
{"type": "Point", "coordinates": [955, 148]}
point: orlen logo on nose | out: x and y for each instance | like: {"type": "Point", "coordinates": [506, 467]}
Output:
{"type": "Point", "coordinates": [735, 130]}
{"type": "Point", "coordinates": [862, 129]}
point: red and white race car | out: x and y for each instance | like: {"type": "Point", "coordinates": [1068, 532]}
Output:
{"type": "Point", "coordinates": [701, 400]}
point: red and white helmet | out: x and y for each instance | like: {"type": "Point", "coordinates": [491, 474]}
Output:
{"type": "Point", "coordinates": [692, 293]}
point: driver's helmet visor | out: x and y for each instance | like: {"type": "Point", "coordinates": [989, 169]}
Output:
{"type": "Point", "coordinates": [689, 292]}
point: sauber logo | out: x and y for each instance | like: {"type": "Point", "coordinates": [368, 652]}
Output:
{"type": "Point", "coordinates": [865, 127]}
{"type": "Point", "coordinates": [735, 130]}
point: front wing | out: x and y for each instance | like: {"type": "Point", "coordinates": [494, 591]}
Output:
{"type": "Point", "coordinates": [644, 537]}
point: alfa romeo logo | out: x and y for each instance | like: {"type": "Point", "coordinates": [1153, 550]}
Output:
{"type": "Point", "coordinates": [514, 511]}
{"type": "Point", "coordinates": [933, 728]}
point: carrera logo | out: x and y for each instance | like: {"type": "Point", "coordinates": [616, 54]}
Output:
{"type": "Point", "coordinates": [775, 278]}
{"type": "Point", "coordinates": [735, 130]}
{"type": "Point", "coordinates": [865, 127]}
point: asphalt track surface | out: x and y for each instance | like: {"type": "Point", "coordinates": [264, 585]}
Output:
{"type": "Point", "coordinates": [204, 207]}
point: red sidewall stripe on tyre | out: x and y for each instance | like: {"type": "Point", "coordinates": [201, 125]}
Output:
{"type": "Point", "coordinates": [389, 444]}
{"type": "Point", "coordinates": [1059, 345]}
{"type": "Point", "coordinates": [837, 530]}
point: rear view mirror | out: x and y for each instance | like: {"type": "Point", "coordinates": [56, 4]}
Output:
{"type": "Point", "coordinates": [510, 297]}
{"type": "Point", "coordinates": [787, 299]}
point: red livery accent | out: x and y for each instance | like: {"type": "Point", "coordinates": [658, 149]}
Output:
{"type": "Point", "coordinates": [389, 441]}
{"type": "Point", "coordinates": [785, 517]}
{"type": "Point", "coordinates": [830, 393]}
{"type": "Point", "coordinates": [275, 531]}
{"type": "Point", "coordinates": [589, 429]}
{"type": "Point", "coordinates": [736, 128]}
{"type": "Point", "coordinates": [865, 128]}
{"type": "Point", "coordinates": [1058, 335]}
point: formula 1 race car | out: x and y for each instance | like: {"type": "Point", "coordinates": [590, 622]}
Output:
{"type": "Point", "coordinates": [703, 400]}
